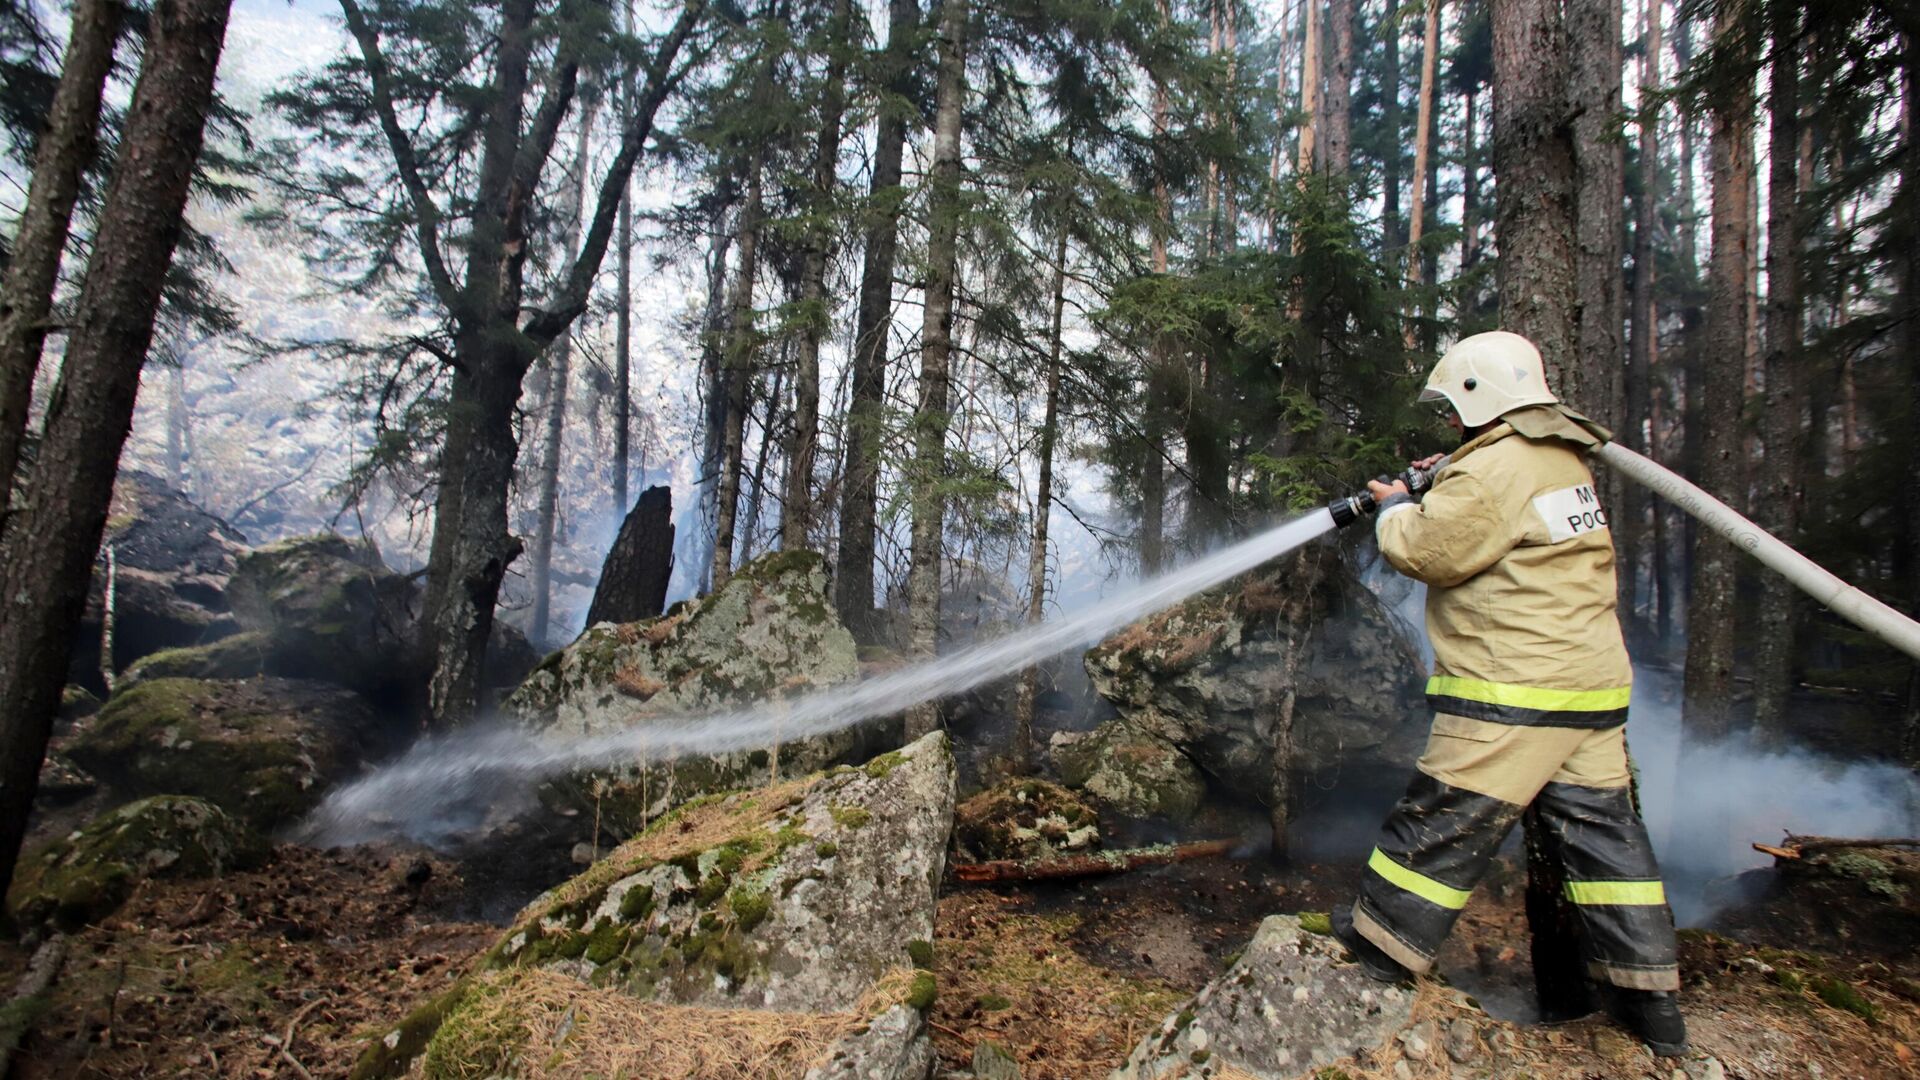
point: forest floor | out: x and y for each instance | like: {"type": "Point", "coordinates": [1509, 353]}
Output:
{"type": "Point", "coordinates": [282, 971]}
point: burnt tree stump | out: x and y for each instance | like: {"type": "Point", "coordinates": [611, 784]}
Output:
{"type": "Point", "coordinates": [633, 580]}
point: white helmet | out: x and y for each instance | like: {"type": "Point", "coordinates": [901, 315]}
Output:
{"type": "Point", "coordinates": [1487, 376]}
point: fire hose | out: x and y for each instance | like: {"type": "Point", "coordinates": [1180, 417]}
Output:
{"type": "Point", "coordinates": [1844, 600]}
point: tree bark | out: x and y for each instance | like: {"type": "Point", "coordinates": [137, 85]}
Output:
{"type": "Point", "coordinates": [796, 508]}
{"type": "Point", "coordinates": [853, 561]}
{"type": "Point", "coordinates": [1153, 421]}
{"type": "Point", "coordinates": [736, 380]}
{"type": "Point", "coordinates": [931, 417]}
{"type": "Point", "coordinates": [1910, 337]}
{"type": "Point", "coordinates": [1394, 226]}
{"type": "Point", "coordinates": [1469, 187]}
{"type": "Point", "coordinates": [48, 553]}
{"type": "Point", "coordinates": [60, 161]}
{"type": "Point", "coordinates": [633, 580]}
{"type": "Point", "coordinates": [1634, 503]}
{"type": "Point", "coordinates": [623, 311]}
{"type": "Point", "coordinates": [1308, 158]}
{"type": "Point", "coordinates": [1534, 161]}
{"type": "Point", "coordinates": [1708, 703]}
{"type": "Point", "coordinates": [1534, 164]}
{"type": "Point", "coordinates": [560, 357]}
{"type": "Point", "coordinates": [1779, 491]}
{"type": "Point", "coordinates": [1422, 143]}
{"type": "Point", "coordinates": [1338, 126]}
{"type": "Point", "coordinates": [1593, 29]}
{"type": "Point", "coordinates": [1023, 712]}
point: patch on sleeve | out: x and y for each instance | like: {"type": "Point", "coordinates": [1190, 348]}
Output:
{"type": "Point", "coordinates": [1570, 512]}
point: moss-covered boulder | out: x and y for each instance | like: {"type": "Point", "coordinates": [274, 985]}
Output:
{"type": "Point", "coordinates": [333, 611]}
{"type": "Point", "coordinates": [770, 632]}
{"type": "Point", "coordinates": [1136, 773]}
{"type": "Point", "coordinates": [262, 749]}
{"type": "Point", "coordinates": [85, 876]}
{"type": "Point", "coordinates": [171, 563]}
{"type": "Point", "coordinates": [1024, 819]}
{"type": "Point", "coordinates": [1208, 679]}
{"type": "Point", "coordinates": [237, 657]}
{"type": "Point", "coordinates": [798, 898]}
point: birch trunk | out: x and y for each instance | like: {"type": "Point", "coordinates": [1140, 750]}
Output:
{"type": "Point", "coordinates": [936, 330]}
{"type": "Point", "coordinates": [1023, 713]}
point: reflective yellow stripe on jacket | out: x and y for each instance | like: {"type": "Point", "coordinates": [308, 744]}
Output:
{"type": "Point", "coordinates": [1512, 703]}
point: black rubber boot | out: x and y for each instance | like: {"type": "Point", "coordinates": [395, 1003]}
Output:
{"type": "Point", "coordinates": [1377, 964]}
{"type": "Point", "coordinates": [1655, 1017]}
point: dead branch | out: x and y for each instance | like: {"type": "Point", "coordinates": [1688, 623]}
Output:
{"type": "Point", "coordinates": [1796, 847]}
{"type": "Point", "coordinates": [38, 978]}
{"type": "Point", "coordinates": [1103, 862]}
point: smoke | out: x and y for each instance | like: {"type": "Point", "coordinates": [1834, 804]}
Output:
{"type": "Point", "coordinates": [436, 789]}
{"type": "Point", "coordinates": [1707, 806]}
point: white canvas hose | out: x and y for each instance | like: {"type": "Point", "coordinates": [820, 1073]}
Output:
{"type": "Point", "coordinates": [1843, 599]}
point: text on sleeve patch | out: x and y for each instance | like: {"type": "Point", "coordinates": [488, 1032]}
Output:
{"type": "Point", "coordinates": [1570, 512]}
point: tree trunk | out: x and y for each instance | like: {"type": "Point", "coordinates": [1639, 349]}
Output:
{"type": "Point", "coordinates": [1153, 421]}
{"type": "Point", "coordinates": [1708, 704]}
{"type": "Point", "coordinates": [1910, 338]}
{"type": "Point", "coordinates": [853, 562]}
{"type": "Point", "coordinates": [1023, 712]}
{"type": "Point", "coordinates": [1394, 226]}
{"type": "Point", "coordinates": [931, 417]}
{"type": "Point", "coordinates": [1599, 179]}
{"type": "Point", "coordinates": [66, 148]}
{"type": "Point", "coordinates": [796, 508]}
{"type": "Point", "coordinates": [561, 360]}
{"type": "Point", "coordinates": [1634, 502]}
{"type": "Point", "coordinates": [48, 553]}
{"type": "Point", "coordinates": [1779, 491]}
{"type": "Point", "coordinates": [713, 383]}
{"type": "Point", "coordinates": [1534, 162]}
{"type": "Point", "coordinates": [1310, 101]}
{"type": "Point", "coordinates": [623, 312]}
{"type": "Point", "coordinates": [1338, 125]}
{"type": "Point", "coordinates": [177, 423]}
{"type": "Point", "coordinates": [633, 580]}
{"type": "Point", "coordinates": [1422, 144]}
{"type": "Point", "coordinates": [1469, 190]}
{"type": "Point", "coordinates": [736, 380]}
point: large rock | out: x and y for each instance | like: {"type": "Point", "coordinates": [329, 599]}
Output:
{"type": "Point", "coordinates": [171, 564]}
{"type": "Point", "coordinates": [83, 877]}
{"type": "Point", "coordinates": [330, 610]}
{"type": "Point", "coordinates": [1207, 679]}
{"type": "Point", "coordinates": [261, 749]}
{"type": "Point", "coordinates": [325, 607]}
{"type": "Point", "coordinates": [1291, 1004]}
{"type": "Point", "coordinates": [769, 632]}
{"type": "Point", "coordinates": [807, 897]}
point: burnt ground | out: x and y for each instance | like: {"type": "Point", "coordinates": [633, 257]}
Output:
{"type": "Point", "coordinates": [316, 951]}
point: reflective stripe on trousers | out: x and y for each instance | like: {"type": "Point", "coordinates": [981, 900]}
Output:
{"type": "Point", "coordinates": [1442, 835]}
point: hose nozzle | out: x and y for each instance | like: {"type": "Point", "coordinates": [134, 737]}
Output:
{"type": "Point", "coordinates": [1352, 508]}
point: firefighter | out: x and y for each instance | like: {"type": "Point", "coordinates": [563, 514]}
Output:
{"type": "Point", "coordinates": [1529, 691]}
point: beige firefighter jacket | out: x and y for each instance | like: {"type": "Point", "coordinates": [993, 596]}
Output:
{"type": "Point", "coordinates": [1513, 545]}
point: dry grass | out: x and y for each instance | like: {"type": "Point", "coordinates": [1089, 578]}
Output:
{"type": "Point", "coordinates": [549, 1025]}
{"type": "Point", "coordinates": [630, 682]}
{"type": "Point", "coordinates": [657, 631]}
{"type": "Point", "coordinates": [1016, 979]}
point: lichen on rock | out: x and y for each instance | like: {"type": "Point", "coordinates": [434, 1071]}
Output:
{"type": "Point", "coordinates": [83, 877]}
{"type": "Point", "coordinates": [737, 901]}
{"type": "Point", "coordinates": [1205, 681]}
{"type": "Point", "coordinates": [768, 633]}
{"type": "Point", "coordinates": [1290, 1004]}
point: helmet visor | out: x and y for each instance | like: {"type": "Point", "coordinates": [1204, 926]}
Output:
{"type": "Point", "coordinates": [1430, 394]}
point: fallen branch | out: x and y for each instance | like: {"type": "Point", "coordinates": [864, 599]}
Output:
{"type": "Point", "coordinates": [1797, 847]}
{"type": "Point", "coordinates": [1104, 862]}
{"type": "Point", "coordinates": [35, 983]}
